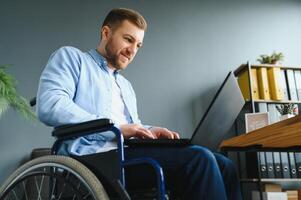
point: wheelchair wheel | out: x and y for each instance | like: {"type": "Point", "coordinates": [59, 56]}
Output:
{"type": "Point", "coordinates": [52, 178]}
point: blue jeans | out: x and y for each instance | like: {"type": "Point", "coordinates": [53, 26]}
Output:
{"type": "Point", "coordinates": [191, 172]}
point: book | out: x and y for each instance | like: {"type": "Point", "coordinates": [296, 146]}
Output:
{"type": "Point", "coordinates": [291, 85]}
{"type": "Point", "coordinates": [261, 107]}
{"type": "Point", "coordinates": [274, 115]}
{"type": "Point", "coordinates": [263, 83]}
{"type": "Point", "coordinates": [298, 163]}
{"type": "Point", "coordinates": [297, 74]}
{"type": "Point", "coordinates": [277, 165]}
{"type": "Point", "coordinates": [292, 163]}
{"type": "Point", "coordinates": [283, 85]}
{"type": "Point", "coordinates": [285, 165]}
{"type": "Point", "coordinates": [270, 164]}
{"type": "Point", "coordinates": [274, 77]}
{"type": "Point", "coordinates": [244, 84]}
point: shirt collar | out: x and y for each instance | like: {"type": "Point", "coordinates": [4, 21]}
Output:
{"type": "Point", "coordinates": [101, 61]}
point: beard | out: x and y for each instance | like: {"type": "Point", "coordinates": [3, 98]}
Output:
{"type": "Point", "coordinates": [112, 57]}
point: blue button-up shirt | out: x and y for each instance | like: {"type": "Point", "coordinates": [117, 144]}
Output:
{"type": "Point", "coordinates": [74, 87]}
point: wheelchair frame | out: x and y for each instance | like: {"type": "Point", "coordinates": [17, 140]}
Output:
{"type": "Point", "coordinates": [72, 131]}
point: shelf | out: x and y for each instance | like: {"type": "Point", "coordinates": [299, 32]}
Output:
{"type": "Point", "coordinates": [273, 101]}
{"type": "Point", "coordinates": [262, 142]}
{"type": "Point", "coordinates": [243, 67]}
{"type": "Point", "coordinates": [268, 180]}
{"type": "Point", "coordinates": [286, 184]}
{"type": "Point", "coordinates": [270, 66]}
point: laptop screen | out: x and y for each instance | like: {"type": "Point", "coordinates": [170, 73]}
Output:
{"type": "Point", "coordinates": [220, 115]}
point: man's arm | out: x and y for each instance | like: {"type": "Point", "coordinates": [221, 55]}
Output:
{"type": "Point", "coordinates": [57, 88]}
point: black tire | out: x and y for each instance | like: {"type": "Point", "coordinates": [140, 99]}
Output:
{"type": "Point", "coordinates": [58, 177]}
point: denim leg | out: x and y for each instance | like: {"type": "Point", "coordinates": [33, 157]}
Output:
{"type": "Point", "coordinates": [203, 176]}
{"type": "Point", "coordinates": [190, 171]}
{"type": "Point", "coordinates": [230, 177]}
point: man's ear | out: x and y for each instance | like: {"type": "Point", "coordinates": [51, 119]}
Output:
{"type": "Point", "coordinates": [105, 32]}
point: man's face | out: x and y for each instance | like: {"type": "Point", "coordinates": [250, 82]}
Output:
{"type": "Point", "coordinates": [123, 44]}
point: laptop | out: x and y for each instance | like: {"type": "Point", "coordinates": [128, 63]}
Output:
{"type": "Point", "coordinates": [215, 123]}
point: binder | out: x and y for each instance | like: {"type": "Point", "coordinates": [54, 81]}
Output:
{"type": "Point", "coordinates": [292, 165]}
{"type": "Point", "coordinates": [274, 115]}
{"type": "Point", "coordinates": [263, 165]}
{"type": "Point", "coordinates": [243, 82]}
{"type": "Point", "coordinates": [277, 165]}
{"type": "Point", "coordinates": [291, 85]}
{"type": "Point", "coordinates": [278, 115]}
{"type": "Point", "coordinates": [274, 78]}
{"type": "Point", "coordinates": [263, 84]}
{"type": "Point", "coordinates": [270, 164]}
{"type": "Point", "coordinates": [261, 107]}
{"type": "Point", "coordinates": [298, 163]}
{"type": "Point", "coordinates": [283, 85]}
{"type": "Point", "coordinates": [285, 165]}
{"type": "Point", "coordinates": [297, 74]}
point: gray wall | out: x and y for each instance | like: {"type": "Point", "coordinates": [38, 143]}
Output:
{"type": "Point", "coordinates": [188, 50]}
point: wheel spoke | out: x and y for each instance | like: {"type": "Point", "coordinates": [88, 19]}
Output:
{"type": "Point", "coordinates": [52, 178]}
{"type": "Point", "coordinates": [39, 187]}
{"type": "Point", "coordinates": [86, 195]}
{"type": "Point", "coordinates": [25, 191]}
{"type": "Point", "coordinates": [15, 194]}
{"type": "Point", "coordinates": [53, 188]}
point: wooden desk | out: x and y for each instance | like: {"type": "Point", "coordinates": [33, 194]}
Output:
{"type": "Point", "coordinates": [285, 134]}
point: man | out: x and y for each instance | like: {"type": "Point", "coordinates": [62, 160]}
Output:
{"type": "Point", "coordinates": [80, 86]}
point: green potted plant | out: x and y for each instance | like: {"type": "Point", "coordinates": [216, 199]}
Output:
{"type": "Point", "coordinates": [9, 96]}
{"type": "Point", "coordinates": [287, 110]}
{"type": "Point", "coordinates": [271, 59]}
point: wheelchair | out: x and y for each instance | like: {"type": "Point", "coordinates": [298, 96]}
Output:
{"type": "Point", "coordinates": [55, 177]}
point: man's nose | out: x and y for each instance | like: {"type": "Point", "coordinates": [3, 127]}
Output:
{"type": "Point", "coordinates": [133, 49]}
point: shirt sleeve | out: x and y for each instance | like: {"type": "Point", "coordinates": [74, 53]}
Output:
{"type": "Point", "coordinates": [57, 88]}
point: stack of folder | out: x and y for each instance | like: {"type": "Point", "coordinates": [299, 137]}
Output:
{"type": "Point", "coordinates": [266, 84]}
{"type": "Point", "coordinates": [243, 81]}
{"type": "Point", "coordinates": [274, 78]}
{"type": "Point", "coordinates": [263, 83]}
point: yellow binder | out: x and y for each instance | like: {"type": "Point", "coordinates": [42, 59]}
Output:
{"type": "Point", "coordinates": [264, 90]}
{"type": "Point", "coordinates": [274, 83]}
{"type": "Point", "coordinates": [243, 82]}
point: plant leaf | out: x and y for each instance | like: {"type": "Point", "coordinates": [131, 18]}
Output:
{"type": "Point", "coordinates": [10, 97]}
{"type": "Point", "coordinates": [4, 105]}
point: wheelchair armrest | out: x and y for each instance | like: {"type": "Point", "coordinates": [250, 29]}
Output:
{"type": "Point", "coordinates": [81, 129]}
{"type": "Point", "coordinates": [85, 128]}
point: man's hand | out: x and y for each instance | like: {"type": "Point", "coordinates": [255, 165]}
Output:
{"type": "Point", "coordinates": [159, 132]}
{"type": "Point", "coordinates": [136, 130]}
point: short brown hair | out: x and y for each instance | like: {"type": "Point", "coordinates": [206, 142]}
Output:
{"type": "Point", "coordinates": [118, 15]}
